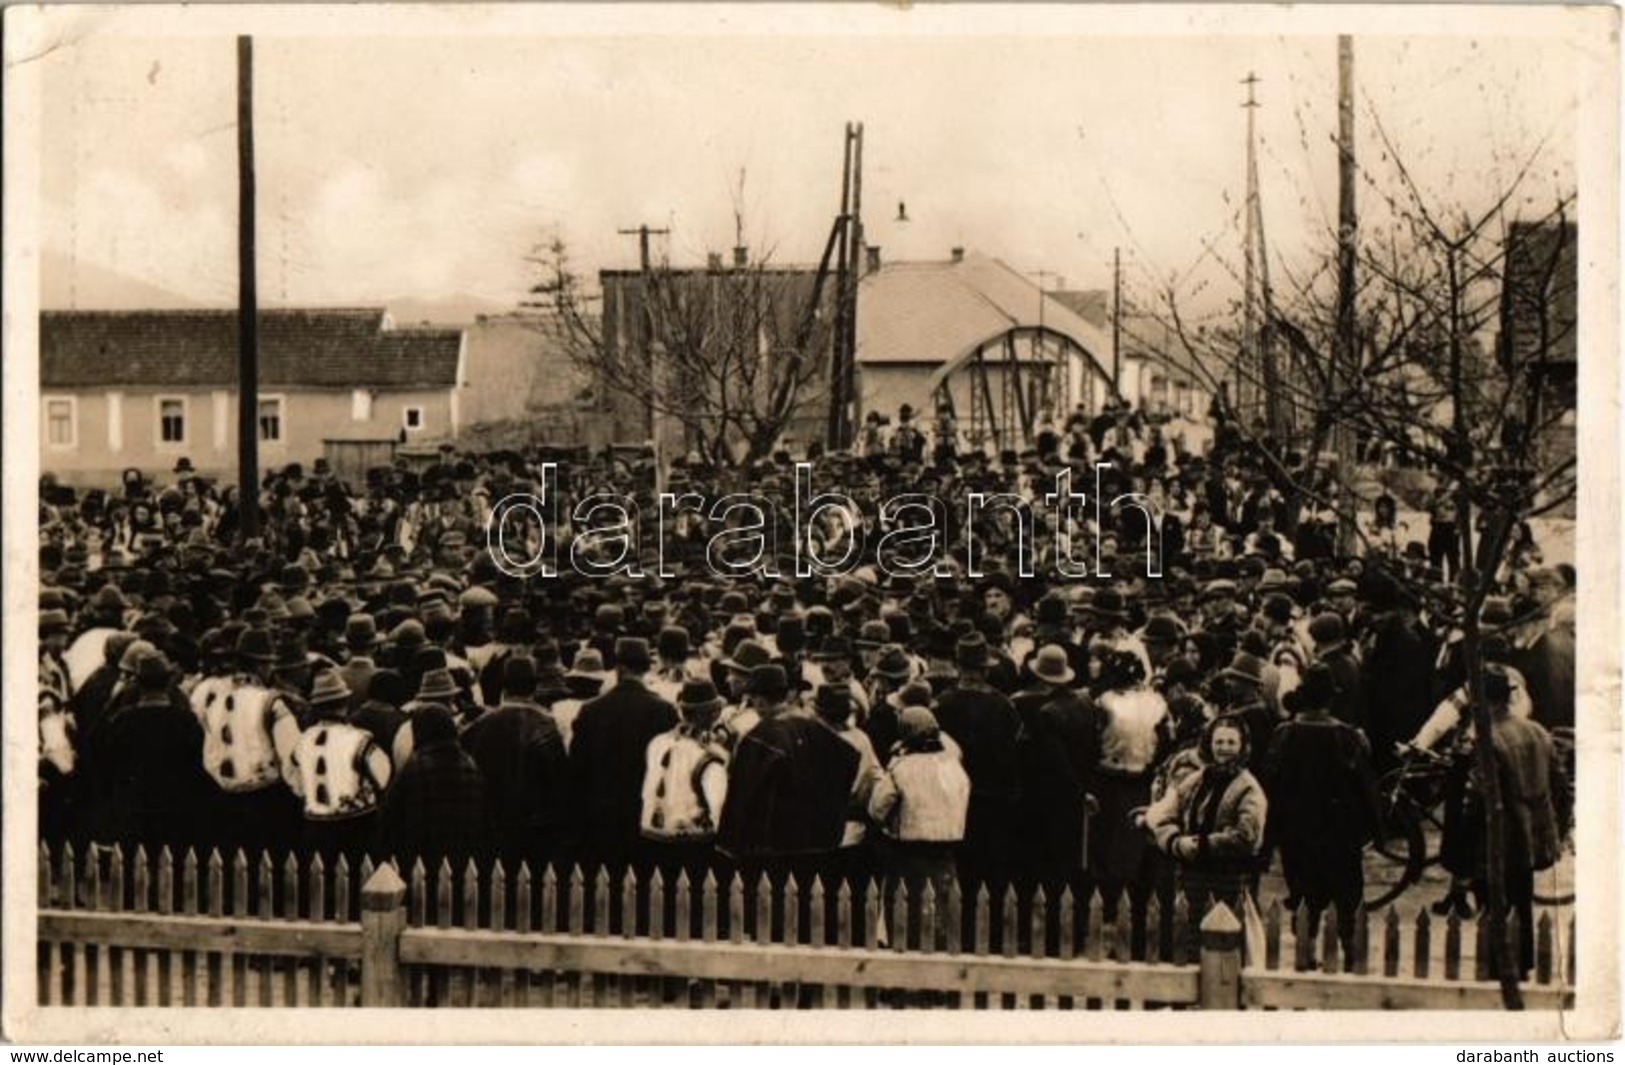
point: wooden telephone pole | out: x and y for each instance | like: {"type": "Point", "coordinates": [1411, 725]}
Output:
{"type": "Point", "coordinates": [248, 356]}
{"type": "Point", "coordinates": [646, 318]}
{"type": "Point", "coordinates": [849, 262]}
{"type": "Point", "coordinates": [1346, 352]}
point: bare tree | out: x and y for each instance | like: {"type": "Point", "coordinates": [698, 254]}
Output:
{"type": "Point", "coordinates": [734, 354]}
{"type": "Point", "coordinates": [1463, 318]}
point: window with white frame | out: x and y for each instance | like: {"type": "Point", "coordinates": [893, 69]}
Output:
{"type": "Point", "coordinates": [61, 421]}
{"type": "Point", "coordinates": [361, 405]}
{"type": "Point", "coordinates": [412, 417]}
{"type": "Point", "coordinates": [171, 419]}
{"type": "Point", "coordinates": [271, 421]}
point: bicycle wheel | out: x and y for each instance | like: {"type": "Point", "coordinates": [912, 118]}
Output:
{"type": "Point", "coordinates": [1404, 845]}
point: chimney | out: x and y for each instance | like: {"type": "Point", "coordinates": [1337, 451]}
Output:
{"type": "Point", "coordinates": [874, 258]}
{"type": "Point", "coordinates": [741, 255]}
{"type": "Point", "coordinates": [958, 255]}
{"type": "Point", "coordinates": [713, 260]}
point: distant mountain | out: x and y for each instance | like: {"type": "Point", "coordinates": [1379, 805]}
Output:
{"type": "Point", "coordinates": [67, 285]}
{"type": "Point", "coordinates": [455, 309]}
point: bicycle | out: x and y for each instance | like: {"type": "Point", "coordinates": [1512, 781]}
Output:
{"type": "Point", "coordinates": [1411, 799]}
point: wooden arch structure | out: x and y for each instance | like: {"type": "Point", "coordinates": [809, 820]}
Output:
{"type": "Point", "coordinates": [1018, 381]}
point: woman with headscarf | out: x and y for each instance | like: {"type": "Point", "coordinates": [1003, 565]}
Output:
{"type": "Point", "coordinates": [1212, 822]}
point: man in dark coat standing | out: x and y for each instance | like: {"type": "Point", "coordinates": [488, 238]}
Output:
{"type": "Point", "coordinates": [1397, 672]}
{"type": "Point", "coordinates": [436, 809]}
{"type": "Point", "coordinates": [988, 730]}
{"type": "Point", "coordinates": [155, 766]}
{"type": "Point", "coordinates": [1349, 704]}
{"type": "Point", "coordinates": [1059, 754]}
{"type": "Point", "coordinates": [608, 742]}
{"type": "Point", "coordinates": [521, 755]}
{"type": "Point", "coordinates": [789, 787]}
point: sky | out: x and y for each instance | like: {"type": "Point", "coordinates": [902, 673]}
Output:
{"type": "Point", "coordinates": [428, 165]}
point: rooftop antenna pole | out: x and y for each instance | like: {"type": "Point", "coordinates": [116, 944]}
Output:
{"type": "Point", "coordinates": [247, 301]}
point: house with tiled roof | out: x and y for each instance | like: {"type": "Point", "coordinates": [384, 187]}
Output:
{"type": "Point", "coordinates": [144, 389]}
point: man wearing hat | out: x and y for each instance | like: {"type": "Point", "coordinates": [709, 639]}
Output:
{"type": "Point", "coordinates": [251, 727]}
{"type": "Point", "coordinates": [1058, 768]}
{"type": "Point", "coordinates": [435, 688]}
{"type": "Point", "coordinates": [514, 632]}
{"type": "Point", "coordinates": [436, 809]}
{"type": "Point", "coordinates": [685, 786]}
{"type": "Point", "coordinates": [1324, 805]}
{"type": "Point", "coordinates": [985, 725]}
{"type": "Point", "coordinates": [339, 774]}
{"type": "Point", "coordinates": [611, 738]}
{"type": "Point", "coordinates": [158, 795]}
{"type": "Point", "coordinates": [360, 641]}
{"type": "Point", "coordinates": [1222, 619]}
{"type": "Point", "coordinates": [672, 653]}
{"type": "Point", "coordinates": [520, 751]}
{"type": "Point", "coordinates": [1240, 692]}
{"type": "Point", "coordinates": [790, 787]}
{"type": "Point", "coordinates": [1332, 647]}
{"type": "Point", "coordinates": [54, 680]}
{"type": "Point", "coordinates": [1109, 621]}
{"type": "Point", "coordinates": [890, 670]}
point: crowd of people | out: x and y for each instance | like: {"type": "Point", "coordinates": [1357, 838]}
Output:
{"type": "Point", "coordinates": [364, 678]}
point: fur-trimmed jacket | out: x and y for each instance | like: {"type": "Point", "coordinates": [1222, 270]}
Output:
{"type": "Point", "coordinates": [1228, 824]}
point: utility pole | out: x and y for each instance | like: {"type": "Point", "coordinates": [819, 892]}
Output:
{"type": "Point", "coordinates": [1117, 324]}
{"type": "Point", "coordinates": [1345, 352]}
{"type": "Point", "coordinates": [248, 394]}
{"type": "Point", "coordinates": [842, 392]}
{"type": "Point", "coordinates": [646, 318]}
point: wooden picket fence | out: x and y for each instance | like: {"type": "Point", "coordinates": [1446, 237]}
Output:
{"type": "Point", "coordinates": [156, 932]}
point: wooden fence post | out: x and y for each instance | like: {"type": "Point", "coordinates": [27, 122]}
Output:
{"type": "Point", "coordinates": [383, 917]}
{"type": "Point", "coordinates": [1220, 981]}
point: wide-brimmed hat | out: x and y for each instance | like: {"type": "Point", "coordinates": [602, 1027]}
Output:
{"type": "Point", "coordinates": [768, 681]}
{"type": "Point", "coordinates": [672, 643]}
{"type": "Point", "coordinates": [632, 652]}
{"type": "Point", "coordinates": [873, 635]}
{"type": "Point", "coordinates": [698, 696]}
{"type": "Point", "coordinates": [893, 663]}
{"type": "Point", "coordinates": [831, 649]}
{"type": "Point", "coordinates": [747, 655]}
{"type": "Point", "coordinates": [1223, 588]}
{"type": "Point", "coordinates": [971, 652]}
{"type": "Point", "coordinates": [437, 684]}
{"type": "Point", "coordinates": [329, 688]}
{"type": "Point", "coordinates": [360, 632]}
{"type": "Point", "coordinates": [1246, 667]}
{"type": "Point", "coordinates": [1051, 665]}
{"type": "Point", "coordinates": [1163, 628]}
{"type": "Point", "coordinates": [1109, 604]}
{"type": "Point", "coordinates": [409, 635]}
{"type": "Point", "coordinates": [254, 645]}
{"type": "Point", "coordinates": [54, 621]}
